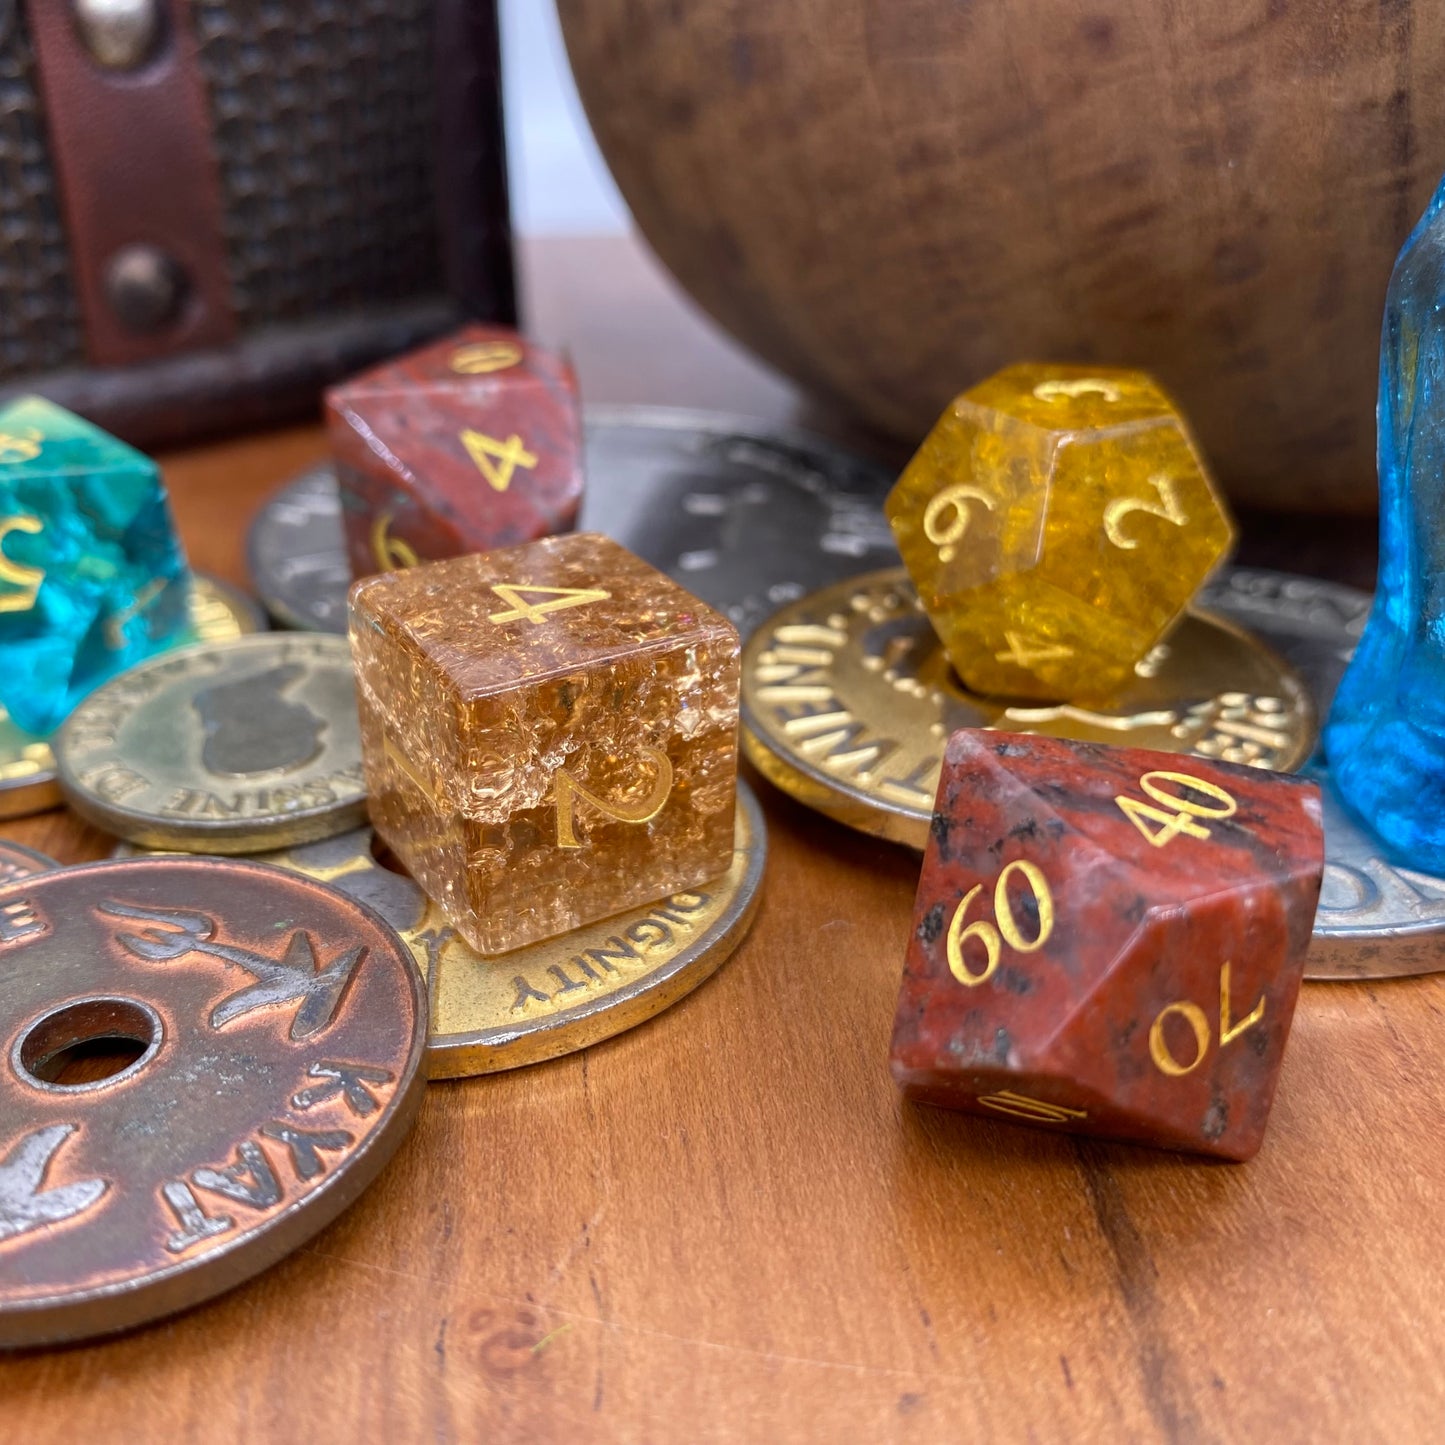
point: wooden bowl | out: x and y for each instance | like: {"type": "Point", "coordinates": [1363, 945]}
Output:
{"type": "Point", "coordinates": [889, 199]}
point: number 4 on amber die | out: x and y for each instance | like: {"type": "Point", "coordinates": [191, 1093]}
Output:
{"type": "Point", "coordinates": [519, 608]}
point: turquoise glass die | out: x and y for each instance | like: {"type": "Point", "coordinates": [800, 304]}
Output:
{"type": "Point", "coordinates": [92, 575]}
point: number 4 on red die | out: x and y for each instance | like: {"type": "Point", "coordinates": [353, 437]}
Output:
{"type": "Point", "coordinates": [470, 443]}
{"type": "Point", "coordinates": [1108, 941]}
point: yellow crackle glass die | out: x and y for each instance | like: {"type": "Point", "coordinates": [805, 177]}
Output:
{"type": "Point", "coordinates": [549, 734]}
{"type": "Point", "coordinates": [1056, 521]}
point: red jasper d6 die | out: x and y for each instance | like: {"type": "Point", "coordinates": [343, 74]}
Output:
{"type": "Point", "coordinates": [1108, 940]}
{"type": "Point", "coordinates": [467, 444]}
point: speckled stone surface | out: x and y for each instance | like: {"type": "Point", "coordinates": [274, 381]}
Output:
{"type": "Point", "coordinates": [467, 444]}
{"type": "Point", "coordinates": [549, 733]}
{"type": "Point", "coordinates": [1096, 965]}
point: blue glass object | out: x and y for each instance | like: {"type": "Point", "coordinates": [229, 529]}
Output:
{"type": "Point", "coordinates": [92, 576]}
{"type": "Point", "coordinates": [1385, 738]}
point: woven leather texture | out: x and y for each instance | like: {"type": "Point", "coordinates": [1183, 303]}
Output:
{"type": "Point", "coordinates": [39, 313]}
{"type": "Point", "coordinates": [323, 113]}
{"type": "Point", "coordinates": [324, 117]}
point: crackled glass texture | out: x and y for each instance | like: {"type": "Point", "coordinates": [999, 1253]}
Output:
{"type": "Point", "coordinates": [549, 733]}
{"type": "Point", "coordinates": [92, 575]}
{"type": "Point", "coordinates": [1056, 521]}
{"type": "Point", "coordinates": [1385, 736]}
{"type": "Point", "coordinates": [470, 443]}
{"type": "Point", "coordinates": [1108, 940]}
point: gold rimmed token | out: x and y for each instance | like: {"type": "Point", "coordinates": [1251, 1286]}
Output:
{"type": "Point", "coordinates": [848, 700]}
{"type": "Point", "coordinates": [561, 995]}
{"type": "Point", "coordinates": [227, 747]}
{"type": "Point", "coordinates": [27, 764]}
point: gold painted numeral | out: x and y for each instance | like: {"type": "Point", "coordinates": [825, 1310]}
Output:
{"type": "Point", "coordinates": [407, 769]}
{"type": "Point", "coordinates": [1023, 1107]}
{"type": "Point", "coordinates": [1007, 930]}
{"type": "Point", "coordinates": [1168, 507]}
{"type": "Point", "coordinates": [497, 460]}
{"type": "Point", "coordinates": [20, 446]}
{"type": "Point", "coordinates": [946, 531]}
{"type": "Point", "coordinates": [1159, 1050]}
{"type": "Point", "coordinates": [18, 574]}
{"type": "Point", "coordinates": [390, 552]}
{"type": "Point", "coordinates": [568, 791]}
{"type": "Point", "coordinates": [1084, 386]}
{"type": "Point", "coordinates": [1182, 820]}
{"type": "Point", "coordinates": [1026, 652]}
{"type": "Point", "coordinates": [479, 357]}
{"type": "Point", "coordinates": [558, 599]}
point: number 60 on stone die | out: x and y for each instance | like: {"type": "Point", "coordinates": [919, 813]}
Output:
{"type": "Point", "coordinates": [1108, 941]}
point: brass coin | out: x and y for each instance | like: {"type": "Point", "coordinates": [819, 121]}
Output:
{"type": "Point", "coordinates": [848, 700]}
{"type": "Point", "coordinates": [227, 747]}
{"type": "Point", "coordinates": [27, 764]}
{"type": "Point", "coordinates": [277, 1030]}
{"type": "Point", "coordinates": [561, 995]}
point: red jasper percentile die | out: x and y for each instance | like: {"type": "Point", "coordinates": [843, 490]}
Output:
{"type": "Point", "coordinates": [470, 443]}
{"type": "Point", "coordinates": [1108, 940]}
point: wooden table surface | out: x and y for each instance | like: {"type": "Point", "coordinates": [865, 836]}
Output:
{"type": "Point", "coordinates": [726, 1225]}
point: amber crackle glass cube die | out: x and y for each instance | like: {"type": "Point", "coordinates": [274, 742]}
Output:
{"type": "Point", "coordinates": [1056, 521]}
{"type": "Point", "coordinates": [470, 443]}
{"type": "Point", "coordinates": [1108, 940]}
{"type": "Point", "coordinates": [549, 733]}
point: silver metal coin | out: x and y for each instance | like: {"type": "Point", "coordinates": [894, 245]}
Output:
{"type": "Point", "coordinates": [296, 555]}
{"type": "Point", "coordinates": [745, 515]}
{"type": "Point", "coordinates": [227, 747]}
{"type": "Point", "coordinates": [1377, 918]}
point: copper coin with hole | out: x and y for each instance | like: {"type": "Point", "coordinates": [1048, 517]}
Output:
{"type": "Point", "coordinates": [261, 1035]}
{"type": "Point", "coordinates": [18, 861]}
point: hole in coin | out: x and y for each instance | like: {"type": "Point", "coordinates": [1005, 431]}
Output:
{"type": "Point", "coordinates": [88, 1042]}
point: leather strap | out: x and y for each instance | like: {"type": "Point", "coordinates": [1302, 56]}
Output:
{"type": "Point", "coordinates": [139, 183]}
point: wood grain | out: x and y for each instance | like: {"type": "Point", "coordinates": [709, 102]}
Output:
{"type": "Point", "coordinates": [726, 1226]}
{"type": "Point", "coordinates": [890, 199]}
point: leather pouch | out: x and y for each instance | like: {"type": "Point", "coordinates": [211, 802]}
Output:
{"type": "Point", "coordinates": [209, 209]}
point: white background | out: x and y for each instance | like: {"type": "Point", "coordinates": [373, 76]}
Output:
{"type": "Point", "coordinates": [560, 184]}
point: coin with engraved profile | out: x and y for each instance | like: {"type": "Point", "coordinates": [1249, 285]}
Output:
{"type": "Point", "coordinates": [227, 747]}
{"type": "Point", "coordinates": [1377, 917]}
{"type": "Point", "coordinates": [848, 701]}
{"type": "Point", "coordinates": [558, 996]}
{"type": "Point", "coordinates": [262, 1036]}
{"type": "Point", "coordinates": [27, 763]}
